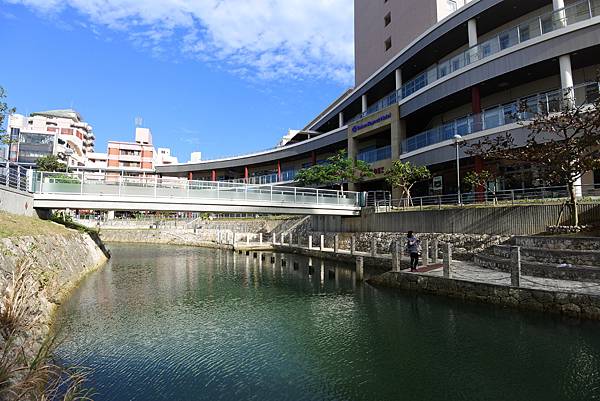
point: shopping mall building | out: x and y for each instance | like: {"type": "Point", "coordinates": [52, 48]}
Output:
{"type": "Point", "coordinates": [428, 70]}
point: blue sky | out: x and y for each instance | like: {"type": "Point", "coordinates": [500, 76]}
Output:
{"type": "Point", "coordinates": [197, 85]}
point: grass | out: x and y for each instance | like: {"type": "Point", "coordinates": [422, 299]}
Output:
{"type": "Point", "coordinates": [19, 226]}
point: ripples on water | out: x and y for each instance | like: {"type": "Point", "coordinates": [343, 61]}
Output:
{"type": "Point", "coordinates": [173, 323]}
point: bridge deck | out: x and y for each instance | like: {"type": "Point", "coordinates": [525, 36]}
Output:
{"type": "Point", "coordinates": [81, 191]}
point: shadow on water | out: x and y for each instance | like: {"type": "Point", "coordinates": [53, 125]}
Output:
{"type": "Point", "coordinates": [176, 323]}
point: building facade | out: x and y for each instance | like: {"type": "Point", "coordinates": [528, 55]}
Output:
{"type": "Point", "coordinates": [465, 74]}
{"type": "Point", "coordinates": [62, 133]}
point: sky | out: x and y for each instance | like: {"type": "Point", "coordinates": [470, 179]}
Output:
{"type": "Point", "coordinates": [223, 77]}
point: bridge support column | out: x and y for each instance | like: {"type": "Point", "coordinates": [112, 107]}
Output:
{"type": "Point", "coordinates": [360, 271]}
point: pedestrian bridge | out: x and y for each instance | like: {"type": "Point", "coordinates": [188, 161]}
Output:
{"type": "Point", "coordinates": [90, 191]}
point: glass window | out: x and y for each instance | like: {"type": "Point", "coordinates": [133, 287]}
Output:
{"type": "Point", "coordinates": [491, 118]}
{"type": "Point", "coordinates": [452, 6]}
{"type": "Point", "coordinates": [462, 126]}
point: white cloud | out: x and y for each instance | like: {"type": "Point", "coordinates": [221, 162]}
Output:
{"type": "Point", "coordinates": [271, 39]}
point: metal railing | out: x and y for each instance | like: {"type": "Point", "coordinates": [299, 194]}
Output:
{"type": "Point", "coordinates": [507, 113]}
{"type": "Point", "coordinates": [375, 155]}
{"type": "Point", "coordinates": [533, 28]}
{"type": "Point", "coordinates": [13, 176]}
{"type": "Point", "coordinates": [154, 187]}
{"type": "Point", "coordinates": [590, 193]}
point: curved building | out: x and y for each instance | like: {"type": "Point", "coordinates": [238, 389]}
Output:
{"type": "Point", "coordinates": [428, 70]}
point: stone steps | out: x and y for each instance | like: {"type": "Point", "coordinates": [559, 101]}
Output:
{"type": "Point", "coordinates": [540, 269]}
{"type": "Point", "coordinates": [550, 256]}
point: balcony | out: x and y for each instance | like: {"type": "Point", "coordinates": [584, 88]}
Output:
{"type": "Point", "coordinates": [501, 115]}
{"type": "Point", "coordinates": [543, 24]}
{"type": "Point", "coordinates": [375, 155]}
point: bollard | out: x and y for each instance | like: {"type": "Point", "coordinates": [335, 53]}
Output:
{"type": "Point", "coordinates": [260, 239]}
{"type": "Point", "coordinates": [290, 238]}
{"type": "Point", "coordinates": [396, 256]}
{"type": "Point", "coordinates": [434, 251]}
{"type": "Point", "coordinates": [274, 238]}
{"type": "Point", "coordinates": [360, 268]}
{"type": "Point", "coordinates": [515, 266]}
{"type": "Point", "coordinates": [310, 242]}
{"type": "Point", "coordinates": [248, 239]}
{"type": "Point", "coordinates": [373, 247]}
{"type": "Point", "coordinates": [336, 243]}
{"type": "Point", "coordinates": [425, 253]}
{"type": "Point", "coordinates": [282, 239]}
{"type": "Point", "coordinates": [322, 244]}
{"type": "Point", "coordinates": [447, 260]}
{"type": "Point", "coordinates": [352, 245]}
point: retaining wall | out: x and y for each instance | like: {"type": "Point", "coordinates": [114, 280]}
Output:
{"type": "Point", "coordinates": [500, 220]}
{"type": "Point", "coordinates": [575, 305]}
{"type": "Point", "coordinates": [16, 202]}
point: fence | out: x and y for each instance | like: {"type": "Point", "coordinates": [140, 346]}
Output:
{"type": "Point", "coordinates": [13, 176]}
{"type": "Point", "coordinates": [589, 193]}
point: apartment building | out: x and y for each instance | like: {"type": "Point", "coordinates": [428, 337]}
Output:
{"type": "Point", "coordinates": [62, 133]}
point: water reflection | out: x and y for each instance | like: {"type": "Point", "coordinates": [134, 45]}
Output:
{"type": "Point", "coordinates": [179, 323]}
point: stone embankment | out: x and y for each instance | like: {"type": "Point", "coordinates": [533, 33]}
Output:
{"type": "Point", "coordinates": [44, 268]}
{"type": "Point", "coordinates": [572, 304]}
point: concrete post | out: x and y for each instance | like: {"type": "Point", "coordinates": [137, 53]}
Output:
{"type": "Point", "coordinates": [447, 259]}
{"type": "Point", "coordinates": [398, 77]}
{"type": "Point", "coordinates": [352, 244]}
{"type": "Point", "coordinates": [260, 238]}
{"type": "Point", "coordinates": [274, 238]}
{"type": "Point", "coordinates": [310, 242]}
{"type": "Point", "coordinates": [396, 256]}
{"type": "Point", "coordinates": [218, 236]}
{"type": "Point", "coordinates": [435, 251]}
{"type": "Point", "coordinates": [248, 239]}
{"type": "Point", "coordinates": [425, 253]}
{"type": "Point", "coordinates": [336, 243]}
{"type": "Point", "coordinates": [291, 239]}
{"type": "Point", "coordinates": [282, 239]}
{"type": "Point", "coordinates": [360, 272]}
{"type": "Point", "coordinates": [515, 266]}
{"type": "Point", "coordinates": [472, 32]}
{"type": "Point", "coordinates": [233, 240]}
{"type": "Point", "coordinates": [322, 244]}
{"type": "Point", "coordinates": [373, 247]}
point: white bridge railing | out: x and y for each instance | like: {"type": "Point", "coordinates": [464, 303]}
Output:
{"type": "Point", "coordinates": [154, 187]}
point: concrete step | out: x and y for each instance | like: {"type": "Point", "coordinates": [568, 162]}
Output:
{"type": "Point", "coordinates": [537, 269]}
{"type": "Point", "coordinates": [551, 256]}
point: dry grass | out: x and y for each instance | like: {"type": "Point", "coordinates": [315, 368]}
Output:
{"type": "Point", "coordinates": [27, 369]}
{"type": "Point", "coordinates": [18, 226]}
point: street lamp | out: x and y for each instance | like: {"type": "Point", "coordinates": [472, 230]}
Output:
{"type": "Point", "coordinates": [68, 152]}
{"type": "Point", "coordinates": [457, 140]}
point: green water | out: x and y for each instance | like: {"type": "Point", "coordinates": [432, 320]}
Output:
{"type": "Point", "coordinates": [175, 323]}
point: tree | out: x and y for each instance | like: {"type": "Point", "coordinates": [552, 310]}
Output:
{"type": "Point", "coordinates": [478, 179]}
{"type": "Point", "coordinates": [565, 142]}
{"type": "Point", "coordinates": [405, 175]}
{"type": "Point", "coordinates": [335, 171]}
{"type": "Point", "coordinates": [49, 163]}
{"type": "Point", "coordinates": [4, 111]}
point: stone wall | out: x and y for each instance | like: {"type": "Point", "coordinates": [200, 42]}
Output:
{"type": "Point", "coordinates": [570, 304]}
{"type": "Point", "coordinates": [203, 238]}
{"type": "Point", "coordinates": [499, 220]}
{"type": "Point", "coordinates": [51, 265]}
{"type": "Point", "coordinates": [465, 246]}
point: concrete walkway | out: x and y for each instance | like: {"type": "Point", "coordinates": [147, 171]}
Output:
{"type": "Point", "coordinates": [471, 272]}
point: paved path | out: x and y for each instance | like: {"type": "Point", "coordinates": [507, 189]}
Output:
{"type": "Point", "coordinates": [470, 272]}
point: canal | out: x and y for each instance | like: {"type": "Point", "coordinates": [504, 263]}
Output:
{"type": "Point", "coordinates": [180, 323]}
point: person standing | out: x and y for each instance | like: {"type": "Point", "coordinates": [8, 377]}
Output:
{"type": "Point", "coordinates": [412, 248]}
